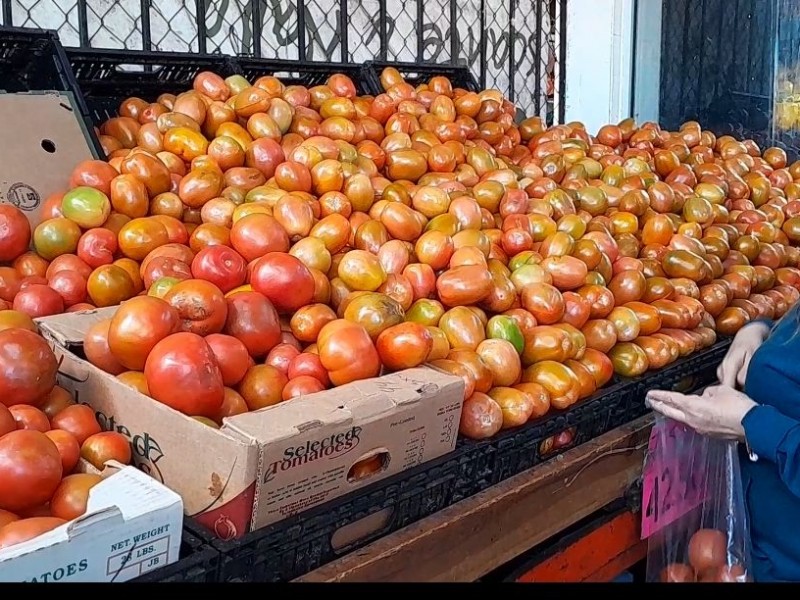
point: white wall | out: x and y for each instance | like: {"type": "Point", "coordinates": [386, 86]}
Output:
{"type": "Point", "coordinates": [647, 75]}
{"type": "Point", "coordinates": [599, 61]}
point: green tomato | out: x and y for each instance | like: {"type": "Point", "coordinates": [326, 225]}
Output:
{"type": "Point", "coordinates": [55, 237]}
{"type": "Point", "coordinates": [501, 327]}
{"type": "Point", "coordinates": [161, 286]}
{"type": "Point", "coordinates": [86, 206]}
{"type": "Point", "coordinates": [523, 258]}
{"type": "Point", "coordinates": [425, 312]}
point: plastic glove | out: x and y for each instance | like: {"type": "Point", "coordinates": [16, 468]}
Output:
{"type": "Point", "coordinates": [717, 413]}
{"type": "Point", "coordinates": [733, 370]}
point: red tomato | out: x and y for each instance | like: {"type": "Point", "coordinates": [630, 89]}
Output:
{"type": "Point", "coordinates": [79, 420]}
{"type": "Point", "coordinates": [233, 404]}
{"type": "Point", "coordinates": [96, 174]}
{"type": "Point", "coordinates": [97, 247]}
{"type": "Point", "coordinates": [281, 356]}
{"type": "Point", "coordinates": [101, 447]}
{"type": "Point", "coordinates": [27, 529]}
{"type": "Point", "coordinates": [404, 346]}
{"type": "Point", "coordinates": [70, 498]}
{"type": "Point", "coordinates": [347, 352]}
{"type": "Point", "coordinates": [15, 233]}
{"type": "Point", "coordinates": [29, 417]}
{"type": "Point", "coordinates": [258, 234]}
{"type": "Point", "coordinates": [137, 326]}
{"type": "Point", "coordinates": [30, 470]}
{"type": "Point", "coordinates": [283, 279]}
{"type": "Point", "coordinates": [311, 365]}
{"type": "Point", "coordinates": [68, 448]}
{"type": "Point", "coordinates": [71, 286]}
{"type": "Point", "coordinates": [221, 265]}
{"type": "Point", "coordinates": [232, 357]}
{"type": "Point", "coordinates": [481, 417]}
{"type": "Point", "coordinates": [7, 421]}
{"type": "Point", "coordinates": [97, 351]}
{"type": "Point", "coordinates": [262, 386]}
{"type": "Point", "coordinates": [200, 305]}
{"type": "Point", "coordinates": [253, 320]}
{"type": "Point", "coordinates": [183, 373]}
{"type": "Point", "coordinates": [27, 367]}
{"type": "Point", "coordinates": [38, 300]}
{"type": "Point", "coordinates": [301, 386]}
{"type": "Point", "coordinates": [68, 262]}
{"type": "Point", "coordinates": [10, 281]}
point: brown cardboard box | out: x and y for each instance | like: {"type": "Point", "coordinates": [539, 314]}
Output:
{"type": "Point", "coordinates": [262, 467]}
{"type": "Point", "coordinates": [44, 139]}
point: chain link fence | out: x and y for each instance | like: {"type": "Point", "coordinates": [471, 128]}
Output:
{"type": "Point", "coordinates": [516, 46]}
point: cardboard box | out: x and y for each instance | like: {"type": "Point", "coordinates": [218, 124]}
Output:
{"type": "Point", "coordinates": [264, 466]}
{"type": "Point", "coordinates": [132, 526]}
{"type": "Point", "coordinates": [45, 138]}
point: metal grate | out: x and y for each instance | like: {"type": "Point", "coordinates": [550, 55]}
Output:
{"type": "Point", "coordinates": [516, 46]}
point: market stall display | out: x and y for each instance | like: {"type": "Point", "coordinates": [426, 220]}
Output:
{"type": "Point", "coordinates": [286, 240]}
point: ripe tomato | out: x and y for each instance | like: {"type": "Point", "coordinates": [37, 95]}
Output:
{"type": "Point", "coordinates": [347, 352]}
{"type": "Point", "coordinates": [27, 367]}
{"type": "Point", "coordinates": [72, 495]}
{"type": "Point", "coordinates": [283, 279]}
{"type": "Point", "coordinates": [97, 247]}
{"type": "Point", "coordinates": [137, 326]}
{"type": "Point", "coordinates": [404, 346]}
{"type": "Point", "coordinates": [308, 364]}
{"type": "Point", "coordinates": [68, 448]}
{"type": "Point", "coordinates": [472, 361]}
{"type": "Point", "coordinates": [262, 386]}
{"type": "Point", "coordinates": [7, 421]}
{"type": "Point", "coordinates": [101, 447]}
{"type": "Point", "coordinates": [281, 356]}
{"type": "Point", "coordinates": [38, 301]}
{"type": "Point", "coordinates": [253, 320]}
{"type": "Point", "coordinates": [27, 529]}
{"type": "Point", "coordinates": [232, 357]}
{"type": "Point", "coordinates": [481, 417]}
{"type": "Point", "coordinates": [200, 305]}
{"type": "Point", "coordinates": [30, 470]}
{"type": "Point", "coordinates": [29, 417]}
{"type": "Point", "coordinates": [183, 373]}
{"type": "Point", "coordinates": [233, 404]}
{"type": "Point", "coordinates": [307, 322]}
{"type": "Point", "coordinates": [97, 351]}
{"type": "Point", "coordinates": [544, 302]}
{"type": "Point", "coordinates": [220, 265]}
{"type": "Point", "coordinates": [71, 286]}
{"type": "Point", "coordinates": [257, 235]}
{"type": "Point", "coordinates": [301, 386]}
{"type": "Point", "coordinates": [79, 420]}
{"type": "Point", "coordinates": [15, 232]}
{"type": "Point", "coordinates": [503, 361]}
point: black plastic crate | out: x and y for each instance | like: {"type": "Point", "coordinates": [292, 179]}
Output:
{"type": "Point", "coordinates": [307, 541]}
{"type": "Point", "coordinates": [305, 73]}
{"type": "Point", "coordinates": [107, 77]}
{"type": "Point", "coordinates": [33, 60]}
{"type": "Point", "coordinates": [415, 74]}
{"type": "Point", "coordinates": [198, 563]}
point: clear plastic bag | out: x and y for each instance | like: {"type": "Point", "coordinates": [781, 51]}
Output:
{"type": "Point", "coordinates": [693, 510]}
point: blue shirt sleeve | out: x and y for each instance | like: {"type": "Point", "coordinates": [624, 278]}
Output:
{"type": "Point", "coordinates": [775, 437]}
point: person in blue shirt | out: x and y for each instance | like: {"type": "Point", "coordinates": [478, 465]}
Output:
{"type": "Point", "coordinates": [764, 363]}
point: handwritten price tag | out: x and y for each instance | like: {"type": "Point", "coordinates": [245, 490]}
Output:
{"type": "Point", "coordinates": [674, 477]}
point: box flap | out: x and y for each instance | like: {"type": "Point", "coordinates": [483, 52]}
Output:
{"type": "Point", "coordinates": [357, 402]}
{"type": "Point", "coordinates": [36, 160]}
{"type": "Point", "coordinates": [123, 496]}
{"type": "Point", "coordinates": [69, 328]}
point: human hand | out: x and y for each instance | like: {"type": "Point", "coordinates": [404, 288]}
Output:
{"type": "Point", "coordinates": [717, 413]}
{"type": "Point", "coordinates": [733, 370]}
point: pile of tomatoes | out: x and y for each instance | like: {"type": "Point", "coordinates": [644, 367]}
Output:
{"type": "Point", "coordinates": [267, 242]}
{"type": "Point", "coordinates": [43, 436]}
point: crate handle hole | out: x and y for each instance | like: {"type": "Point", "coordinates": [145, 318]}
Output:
{"type": "Point", "coordinates": [368, 465]}
{"type": "Point", "coordinates": [48, 146]}
{"type": "Point", "coordinates": [363, 529]}
{"type": "Point", "coordinates": [134, 68]}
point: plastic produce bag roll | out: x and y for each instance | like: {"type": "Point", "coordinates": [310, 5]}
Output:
{"type": "Point", "coordinates": [693, 508]}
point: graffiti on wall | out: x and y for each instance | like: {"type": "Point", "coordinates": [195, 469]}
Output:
{"type": "Point", "coordinates": [512, 45]}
